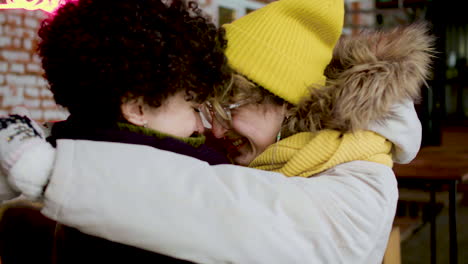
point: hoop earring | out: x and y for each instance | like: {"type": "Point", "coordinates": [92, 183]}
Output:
{"type": "Point", "coordinates": [275, 148]}
{"type": "Point", "coordinates": [278, 137]}
{"type": "Point", "coordinates": [283, 124]}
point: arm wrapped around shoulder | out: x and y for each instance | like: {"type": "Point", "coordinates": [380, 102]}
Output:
{"type": "Point", "coordinates": [26, 159]}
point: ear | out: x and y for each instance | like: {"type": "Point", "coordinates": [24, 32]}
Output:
{"type": "Point", "coordinates": [285, 111]}
{"type": "Point", "coordinates": [190, 96]}
{"type": "Point", "coordinates": [132, 111]}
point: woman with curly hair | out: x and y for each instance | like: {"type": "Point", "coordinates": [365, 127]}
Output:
{"type": "Point", "coordinates": [318, 120]}
{"type": "Point", "coordinates": [133, 68]}
{"type": "Point", "coordinates": [131, 72]}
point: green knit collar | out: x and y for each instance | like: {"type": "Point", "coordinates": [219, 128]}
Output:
{"type": "Point", "coordinates": [193, 141]}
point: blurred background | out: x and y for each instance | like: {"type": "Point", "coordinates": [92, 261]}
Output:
{"type": "Point", "coordinates": [443, 108]}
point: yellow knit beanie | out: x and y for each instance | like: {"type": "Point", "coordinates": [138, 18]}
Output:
{"type": "Point", "coordinates": [286, 45]}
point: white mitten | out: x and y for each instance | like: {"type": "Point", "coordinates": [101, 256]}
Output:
{"type": "Point", "coordinates": [26, 159]}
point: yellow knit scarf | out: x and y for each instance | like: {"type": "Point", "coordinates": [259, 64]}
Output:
{"type": "Point", "coordinates": [306, 154]}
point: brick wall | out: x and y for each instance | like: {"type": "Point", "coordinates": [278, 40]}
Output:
{"type": "Point", "coordinates": [22, 86]}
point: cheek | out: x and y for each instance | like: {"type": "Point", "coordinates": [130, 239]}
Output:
{"type": "Point", "coordinates": [259, 131]}
{"type": "Point", "coordinates": [189, 120]}
{"type": "Point", "coordinates": [245, 127]}
{"type": "Point", "coordinates": [265, 138]}
{"type": "Point", "coordinates": [183, 124]}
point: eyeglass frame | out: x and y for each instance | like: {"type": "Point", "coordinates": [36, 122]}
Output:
{"type": "Point", "coordinates": [225, 123]}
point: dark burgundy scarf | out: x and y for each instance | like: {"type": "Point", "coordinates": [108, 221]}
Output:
{"type": "Point", "coordinates": [75, 129]}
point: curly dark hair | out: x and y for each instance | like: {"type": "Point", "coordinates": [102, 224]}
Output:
{"type": "Point", "coordinates": [98, 53]}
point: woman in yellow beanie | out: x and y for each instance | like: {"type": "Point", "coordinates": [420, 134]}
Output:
{"type": "Point", "coordinates": [335, 112]}
{"type": "Point", "coordinates": [283, 54]}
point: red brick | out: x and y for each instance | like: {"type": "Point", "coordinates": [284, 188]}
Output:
{"type": "Point", "coordinates": [48, 104]}
{"type": "Point", "coordinates": [17, 68]}
{"type": "Point", "coordinates": [13, 19]}
{"type": "Point", "coordinates": [34, 68]}
{"type": "Point", "coordinates": [5, 41]}
{"type": "Point", "coordinates": [27, 44]}
{"type": "Point", "coordinates": [36, 114]}
{"type": "Point", "coordinates": [46, 93]}
{"type": "Point", "coordinates": [32, 91]}
{"type": "Point", "coordinates": [31, 22]}
{"type": "Point", "coordinates": [27, 80]}
{"type": "Point", "coordinates": [14, 56]}
{"type": "Point", "coordinates": [3, 66]}
{"type": "Point", "coordinates": [13, 31]}
{"type": "Point", "coordinates": [55, 115]}
{"type": "Point", "coordinates": [32, 103]}
{"type": "Point", "coordinates": [16, 43]}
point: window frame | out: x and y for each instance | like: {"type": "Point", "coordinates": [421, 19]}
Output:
{"type": "Point", "coordinates": [239, 6]}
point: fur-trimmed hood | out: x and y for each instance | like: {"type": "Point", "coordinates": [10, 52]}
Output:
{"type": "Point", "coordinates": [368, 74]}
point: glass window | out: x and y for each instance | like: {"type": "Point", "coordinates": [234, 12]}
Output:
{"type": "Point", "coordinates": [226, 15]}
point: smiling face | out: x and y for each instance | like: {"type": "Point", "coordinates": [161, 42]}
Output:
{"type": "Point", "coordinates": [254, 128]}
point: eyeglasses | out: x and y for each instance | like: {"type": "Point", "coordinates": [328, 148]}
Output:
{"type": "Point", "coordinates": [209, 113]}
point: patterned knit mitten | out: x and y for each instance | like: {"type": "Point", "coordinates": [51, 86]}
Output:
{"type": "Point", "coordinates": [26, 159]}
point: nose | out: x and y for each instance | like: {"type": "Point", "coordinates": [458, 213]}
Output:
{"type": "Point", "coordinates": [217, 129]}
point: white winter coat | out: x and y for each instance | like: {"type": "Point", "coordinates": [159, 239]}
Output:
{"type": "Point", "coordinates": [182, 207]}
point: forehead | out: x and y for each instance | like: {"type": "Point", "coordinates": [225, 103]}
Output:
{"type": "Point", "coordinates": [241, 91]}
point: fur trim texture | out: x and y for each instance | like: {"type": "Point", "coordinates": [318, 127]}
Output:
{"type": "Point", "coordinates": [367, 75]}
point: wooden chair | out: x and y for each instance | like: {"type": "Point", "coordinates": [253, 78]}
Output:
{"type": "Point", "coordinates": [393, 252]}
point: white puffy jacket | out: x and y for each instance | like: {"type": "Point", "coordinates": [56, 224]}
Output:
{"type": "Point", "coordinates": [182, 207]}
